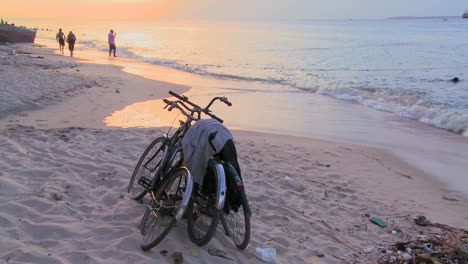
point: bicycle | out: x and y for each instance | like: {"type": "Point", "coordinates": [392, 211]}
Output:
{"type": "Point", "coordinates": [160, 173]}
{"type": "Point", "coordinates": [220, 197]}
{"type": "Point", "coordinates": [221, 183]}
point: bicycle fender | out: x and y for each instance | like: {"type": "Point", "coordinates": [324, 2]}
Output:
{"type": "Point", "coordinates": [221, 193]}
{"type": "Point", "coordinates": [185, 200]}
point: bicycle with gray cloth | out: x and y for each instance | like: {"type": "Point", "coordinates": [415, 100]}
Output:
{"type": "Point", "coordinates": [215, 193]}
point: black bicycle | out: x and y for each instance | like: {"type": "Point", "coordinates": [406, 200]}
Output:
{"type": "Point", "coordinates": [159, 172]}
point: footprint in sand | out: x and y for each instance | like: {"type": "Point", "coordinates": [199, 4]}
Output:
{"type": "Point", "coordinates": [41, 121]}
{"type": "Point", "coordinates": [448, 198]}
{"type": "Point", "coordinates": [334, 176]}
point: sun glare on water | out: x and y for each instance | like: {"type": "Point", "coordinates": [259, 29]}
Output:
{"type": "Point", "coordinates": [145, 114]}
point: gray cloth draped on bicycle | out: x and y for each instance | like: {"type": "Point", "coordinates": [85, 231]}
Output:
{"type": "Point", "coordinates": [197, 148]}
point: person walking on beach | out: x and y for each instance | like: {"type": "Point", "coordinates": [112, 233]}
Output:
{"type": "Point", "coordinates": [111, 41]}
{"type": "Point", "coordinates": [61, 40]}
{"type": "Point", "coordinates": [71, 38]}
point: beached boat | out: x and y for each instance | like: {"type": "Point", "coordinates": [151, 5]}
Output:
{"type": "Point", "coordinates": [12, 34]}
{"type": "Point", "coordinates": [465, 15]}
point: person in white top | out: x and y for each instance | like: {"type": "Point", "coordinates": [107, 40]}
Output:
{"type": "Point", "coordinates": [111, 41]}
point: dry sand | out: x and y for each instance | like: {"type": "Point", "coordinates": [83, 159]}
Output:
{"type": "Point", "coordinates": [63, 190]}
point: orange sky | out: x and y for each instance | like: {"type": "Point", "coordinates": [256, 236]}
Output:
{"type": "Point", "coordinates": [228, 9]}
{"type": "Point", "coordinates": [104, 9]}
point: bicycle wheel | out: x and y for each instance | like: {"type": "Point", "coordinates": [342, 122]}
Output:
{"type": "Point", "coordinates": [236, 213]}
{"type": "Point", "coordinates": [237, 222]}
{"type": "Point", "coordinates": [159, 217]}
{"type": "Point", "coordinates": [203, 216]}
{"type": "Point", "coordinates": [146, 168]}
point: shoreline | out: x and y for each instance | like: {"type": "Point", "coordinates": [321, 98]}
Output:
{"type": "Point", "coordinates": [311, 199]}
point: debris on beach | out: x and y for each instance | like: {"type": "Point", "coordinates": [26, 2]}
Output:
{"type": "Point", "coordinates": [445, 245]}
{"type": "Point", "coordinates": [178, 257]}
{"type": "Point", "coordinates": [378, 221]}
{"type": "Point", "coordinates": [218, 253]}
{"type": "Point", "coordinates": [421, 220]}
{"type": "Point", "coordinates": [287, 178]}
{"type": "Point", "coordinates": [266, 254]}
{"type": "Point", "coordinates": [368, 250]}
{"type": "Point", "coordinates": [193, 253]}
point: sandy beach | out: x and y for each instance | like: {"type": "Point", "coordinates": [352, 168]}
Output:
{"type": "Point", "coordinates": [63, 178]}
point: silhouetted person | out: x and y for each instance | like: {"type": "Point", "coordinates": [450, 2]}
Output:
{"type": "Point", "coordinates": [61, 40]}
{"type": "Point", "coordinates": [111, 41]}
{"type": "Point", "coordinates": [71, 42]}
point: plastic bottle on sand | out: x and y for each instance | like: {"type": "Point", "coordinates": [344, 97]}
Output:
{"type": "Point", "coordinates": [266, 254]}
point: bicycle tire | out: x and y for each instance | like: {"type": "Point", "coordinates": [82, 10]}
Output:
{"type": "Point", "coordinates": [157, 222]}
{"type": "Point", "coordinates": [137, 192]}
{"type": "Point", "coordinates": [203, 218]}
{"type": "Point", "coordinates": [238, 223]}
{"type": "Point", "coordinates": [236, 213]}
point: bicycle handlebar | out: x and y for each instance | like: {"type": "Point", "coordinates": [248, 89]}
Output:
{"type": "Point", "coordinates": [181, 97]}
{"type": "Point", "coordinates": [196, 109]}
{"type": "Point", "coordinates": [185, 99]}
{"type": "Point", "coordinates": [225, 100]}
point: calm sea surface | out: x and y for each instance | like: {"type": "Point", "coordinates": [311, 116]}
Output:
{"type": "Point", "coordinates": [404, 66]}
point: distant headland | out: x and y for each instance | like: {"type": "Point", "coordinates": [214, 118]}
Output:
{"type": "Point", "coordinates": [423, 17]}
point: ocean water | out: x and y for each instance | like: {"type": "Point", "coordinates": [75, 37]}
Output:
{"type": "Point", "coordinates": [403, 66]}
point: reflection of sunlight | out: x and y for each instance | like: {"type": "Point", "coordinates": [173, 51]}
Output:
{"type": "Point", "coordinates": [131, 70]}
{"type": "Point", "coordinates": [145, 114]}
{"type": "Point", "coordinates": [135, 39]}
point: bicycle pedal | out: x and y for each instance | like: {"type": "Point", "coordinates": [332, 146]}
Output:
{"type": "Point", "coordinates": [145, 183]}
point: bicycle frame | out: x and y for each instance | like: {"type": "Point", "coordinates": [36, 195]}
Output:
{"type": "Point", "coordinates": [171, 147]}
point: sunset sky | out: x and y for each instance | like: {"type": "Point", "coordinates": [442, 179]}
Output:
{"type": "Point", "coordinates": [229, 9]}
{"type": "Point", "coordinates": [105, 9]}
